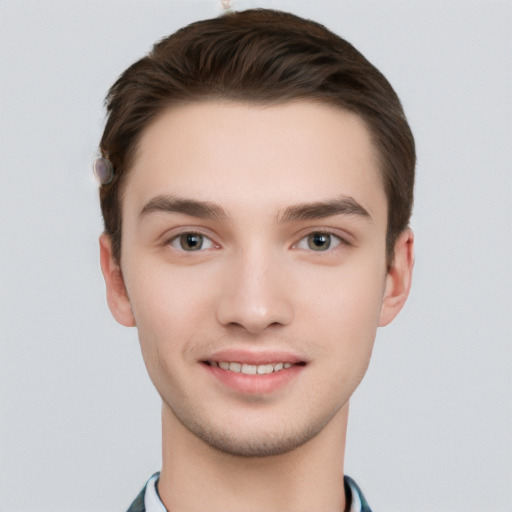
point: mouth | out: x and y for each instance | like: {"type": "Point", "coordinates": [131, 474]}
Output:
{"type": "Point", "coordinates": [254, 375]}
{"type": "Point", "coordinates": [253, 369]}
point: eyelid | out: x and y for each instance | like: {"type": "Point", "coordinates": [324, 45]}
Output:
{"type": "Point", "coordinates": [174, 234]}
{"type": "Point", "coordinates": [335, 242]}
{"type": "Point", "coordinates": [343, 237]}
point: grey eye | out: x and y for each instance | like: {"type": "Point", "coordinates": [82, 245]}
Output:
{"type": "Point", "coordinates": [319, 241]}
{"type": "Point", "coordinates": [191, 242]}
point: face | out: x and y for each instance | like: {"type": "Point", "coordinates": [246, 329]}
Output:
{"type": "Point", "coordinates": [253, 265]}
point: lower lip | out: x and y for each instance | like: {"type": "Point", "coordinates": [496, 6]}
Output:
{"type": "Point", "coordinates": [254, 384]}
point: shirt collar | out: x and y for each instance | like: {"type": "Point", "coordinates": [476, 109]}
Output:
{"type": "Point", "coordinates": [153, 503]}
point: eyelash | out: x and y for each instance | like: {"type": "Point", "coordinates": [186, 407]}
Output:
{"type": "Point", "coordinates": [181, 236]}
{"type": "Point", "coordinates": [331, 237]}
{"type": "Point", "coordinates": [305, 243]}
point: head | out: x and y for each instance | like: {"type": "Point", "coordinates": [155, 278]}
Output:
{"type": "Point", "coordinates": [259, 57]}
{"type": "Point", "coordinates": [256, 222]}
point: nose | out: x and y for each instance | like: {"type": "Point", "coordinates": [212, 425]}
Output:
{"type": "Point", "coordinates": [256, 293]}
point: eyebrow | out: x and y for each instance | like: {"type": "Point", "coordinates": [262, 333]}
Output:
{"type": "Point", "coordinates": [192, 207]}
{"type": "Point", "coordinates": [343, 205]}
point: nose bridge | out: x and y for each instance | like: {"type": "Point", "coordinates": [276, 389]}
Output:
{"type": "Point", "coordinates": [255, 294]}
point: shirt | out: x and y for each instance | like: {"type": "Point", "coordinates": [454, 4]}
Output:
{"type": "Point", "coordinates": [148, 499]}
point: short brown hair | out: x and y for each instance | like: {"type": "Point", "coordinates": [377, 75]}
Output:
{"type": "Point", "coordinates": [266, 57]}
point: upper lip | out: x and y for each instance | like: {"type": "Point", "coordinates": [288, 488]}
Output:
{"type": "Point", "coordinates": [255, 357]}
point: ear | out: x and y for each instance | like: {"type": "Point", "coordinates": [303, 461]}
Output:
{"type": "Point", "coordinates": [117, 297]}
{"type": "Point", "coordinates": [398, 279]}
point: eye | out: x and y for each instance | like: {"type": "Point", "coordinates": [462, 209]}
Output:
{"type": "Point", "coordinates": [319, 241]}
{"type": "Point", "coordinates": [191, 242]}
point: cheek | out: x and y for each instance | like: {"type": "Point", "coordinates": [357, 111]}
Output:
{"type": "Point", "coordinates": [168, 308]}
{"type": "Point", "coordinates": [346, 325]}
{"type": "Point", "coordinates": [343, 312]}
{"type": "Point", "coordinates": [350, 295]}
{"type": "Point", "coordinates": [172, 306]}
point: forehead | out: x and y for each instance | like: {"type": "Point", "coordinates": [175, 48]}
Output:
{"type": "Point", "coordinates": [253, 156]}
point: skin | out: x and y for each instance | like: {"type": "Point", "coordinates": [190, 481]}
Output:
{"type": "Point", "coordinates": [256, 287]}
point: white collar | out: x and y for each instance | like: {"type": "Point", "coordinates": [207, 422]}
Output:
{"type": "Point", "coordinates": [152, 501]}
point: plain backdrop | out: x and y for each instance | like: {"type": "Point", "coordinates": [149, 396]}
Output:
{"type": "Point", "coordinates": [430, 426]}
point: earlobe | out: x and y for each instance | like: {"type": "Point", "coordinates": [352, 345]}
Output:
{"type": "Point", "coordinates": [398, 279]}
{"type": "Point", "coordinates": [117, 297]}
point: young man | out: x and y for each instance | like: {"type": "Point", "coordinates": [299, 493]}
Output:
{"type": "Point", "coordinates": [257, 188]}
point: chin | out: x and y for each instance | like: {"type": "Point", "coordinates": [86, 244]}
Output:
{"type": "Point", "coordinates": [255, 442]}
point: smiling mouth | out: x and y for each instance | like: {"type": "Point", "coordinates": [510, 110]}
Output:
{"type": "Point", "coordinates": [252, 369]}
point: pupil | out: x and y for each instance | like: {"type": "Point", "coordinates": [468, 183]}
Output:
{"type": "Point", "coordinates": [319, 241]}
{"type": "Point", "coordinates": [192, 241]}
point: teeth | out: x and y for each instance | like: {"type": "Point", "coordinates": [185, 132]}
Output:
{"type": "Point", "coordinates": [265, 368]}
{"type": "Point", "coordinates": [235, 367]}
{"type": "Point", "coordinates": [251, 369]}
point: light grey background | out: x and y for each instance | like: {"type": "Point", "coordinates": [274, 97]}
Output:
{"type": "Point", "coordinates": [430, 426]}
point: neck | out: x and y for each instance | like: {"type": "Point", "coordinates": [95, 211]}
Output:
{"type": "Point", "coordinates": [196, 477]}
